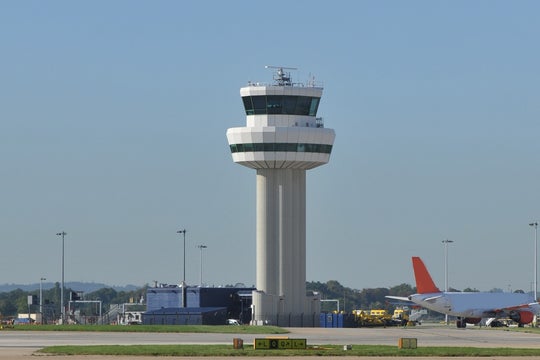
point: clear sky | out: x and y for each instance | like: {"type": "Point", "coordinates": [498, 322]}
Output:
{"type": "Point", "coordinates": [112, 128]}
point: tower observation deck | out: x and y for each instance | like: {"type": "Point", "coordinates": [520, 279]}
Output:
{"type": "Point", "coordinates": [283, 138]}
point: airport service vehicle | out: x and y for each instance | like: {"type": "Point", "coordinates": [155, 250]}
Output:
{"type": "Point", "coordinates": [469, 308]}
{"type": "Point", "coordinates": [372, 318]}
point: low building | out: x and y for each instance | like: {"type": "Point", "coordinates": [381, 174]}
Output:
{"type": "Point", "coordinates": [186, 316]}
{"type": "Point", "coordinates": [203, 305]}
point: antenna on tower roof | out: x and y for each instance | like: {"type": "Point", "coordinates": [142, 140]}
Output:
{"type": "Point", "coordinates": [281, 77]}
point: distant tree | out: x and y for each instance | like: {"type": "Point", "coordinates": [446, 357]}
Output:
{"type": "Point", "coordinates": [351, 299]}
{"type": "Point", "coordinates": [7, 308]}
{"type": "Point", "coordinates": [22, 304]}
{"type": "Point", "coordinates": [110, 296]}
{"type": "Point", "coordinates": [316, 286]}
{"type": "Point", "coordinates": [402, 290]}
{"type": "Point", "coordinates": [106, 295]}
{"type": "Point", "coordinates": [369, 297]}
{"type": "Point", "coordinates": [55, 297]}
{"type": "Point", "coordinates": [470, 290]}
{"type": "Point", "coordinates": [334, 287]}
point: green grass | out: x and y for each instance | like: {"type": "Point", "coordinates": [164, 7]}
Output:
{"type": "Point", "coordinates": [528, 329]}
{"type": "Point", "coordinates": [326, 350]}
{"type": "Point", "coordinates": [225, 329]}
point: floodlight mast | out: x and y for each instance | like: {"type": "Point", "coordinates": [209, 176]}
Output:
{"type": "Point", "coordinates": [280, 77]}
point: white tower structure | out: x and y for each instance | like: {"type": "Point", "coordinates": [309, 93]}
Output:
{"type": "Point", "coordinates": [281, 140]}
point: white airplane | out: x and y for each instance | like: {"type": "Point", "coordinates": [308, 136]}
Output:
{"type": "Point", "coordinates": [469, 307]}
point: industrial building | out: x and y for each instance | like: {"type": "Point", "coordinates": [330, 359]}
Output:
{"type": "Point", "coordinates": [204, 305]}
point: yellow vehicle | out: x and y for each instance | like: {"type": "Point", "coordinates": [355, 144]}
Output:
{"type": "Point", "coordinates": [371, 318]}
{"type": "Point", "coordinates": [401, 317]}
{"type": "Point", "coordinates": [409, 317]}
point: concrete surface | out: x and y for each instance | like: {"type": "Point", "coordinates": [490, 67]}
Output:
{"type": "Point", "coordinates": [19, 345]}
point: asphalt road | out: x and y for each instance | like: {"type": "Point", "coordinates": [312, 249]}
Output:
{"type": "Point", "coordinates": [20, 344]}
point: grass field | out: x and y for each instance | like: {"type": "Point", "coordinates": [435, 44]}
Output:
{"type": "Point", "coordinates": [248, 350]}
{"type": "Point", "coordinates": [327, 350]}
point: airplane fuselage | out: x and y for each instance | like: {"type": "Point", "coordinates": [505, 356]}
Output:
{"type": "Point", "coordinates": [475, 304]}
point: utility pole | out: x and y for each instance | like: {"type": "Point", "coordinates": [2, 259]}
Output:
{"type": "Point", "coordinates": [184, 276]}
{"type": "Point", "coordinates": [41, 298]}
{"type": "Point", "coordinates": [535, 285]}
{"type": "Point", "coordinates": [446, 242]}
{"type": "Point", "coordinates": [201, 247]}
{"type": "Point", "coordinates": [62, 309]}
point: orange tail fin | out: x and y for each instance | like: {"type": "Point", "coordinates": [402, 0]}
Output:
{"type": "Point", "coordinates": [424, 282]}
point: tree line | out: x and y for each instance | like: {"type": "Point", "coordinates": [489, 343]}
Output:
{"type": "Point", "coordinates": [351, 299]}
{"type": "Point", "coordinates": [16, 301]}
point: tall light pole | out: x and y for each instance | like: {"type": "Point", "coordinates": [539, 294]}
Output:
{"type": "Point", "coordinates": [535, 285]}
{"type": "Point", "coordinates": [446, 242]}
{"type": "Point", "coordinates": [41, 298]}
{"type": "Point", "coordinates": [201, 247]}
{"type": "Point", "coordinates": [184, 276]}
{"type": "Point", "coordinates": [62, 310]}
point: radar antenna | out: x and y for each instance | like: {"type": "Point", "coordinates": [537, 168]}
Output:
{"type": "Point", "coordinates": [281, 77]}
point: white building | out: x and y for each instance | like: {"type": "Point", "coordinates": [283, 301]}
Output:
{"type": "Point", "coordinates": [281, 140]}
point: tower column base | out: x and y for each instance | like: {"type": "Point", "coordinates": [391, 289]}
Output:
{"type": "Point", "coordinates": [268, 309]}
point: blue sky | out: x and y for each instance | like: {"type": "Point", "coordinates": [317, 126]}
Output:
{"type": "Point", "coordinates": [112, 128]}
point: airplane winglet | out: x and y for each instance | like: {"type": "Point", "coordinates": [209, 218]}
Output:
{"type": "Point", "coordinates": [424, 282]}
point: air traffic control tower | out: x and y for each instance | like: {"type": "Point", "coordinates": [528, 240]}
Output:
{"type": "Point", "coordinates": [283, 138]}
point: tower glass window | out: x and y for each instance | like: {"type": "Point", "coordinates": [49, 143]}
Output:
{"type": "Point", "coordinates": [259, 105]}
{"type": "Point", "coordinates": [302, 105]}
{"type": "Point", "coordinates": [290, 104]}
{"type": "Point", "coordinates": [281, 147]}
{"type": "Point", "coordinates": [281, 105]}
{"type": "Point", "coordinates": [314, 106]}
{"type": "Point", "coordinates": [248, 105]}
{"type": "Point", "coordinates": [274, 104]}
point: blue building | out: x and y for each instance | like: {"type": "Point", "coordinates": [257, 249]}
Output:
{"type": "Point", "coordinates": [204, 305]}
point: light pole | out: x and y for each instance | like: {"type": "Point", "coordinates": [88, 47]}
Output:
{"type": "Point", "coordinates": [62, 310]}
{"type": "Point", "coordinates": [184, 276]}
{"type": "Point", "coordinates": [201, 247]}
{"type": "Point", "coordinates": [41, 298]}
{"type": "Point", "coordinates": [446, 242]}
{"type": "Point", "coordinates": [535, 285]}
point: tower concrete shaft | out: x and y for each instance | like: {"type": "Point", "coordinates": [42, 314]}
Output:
{"type": "Point", "coordinates": [281, 140]}
{"type": "Point", "coordinates": [281, 236]}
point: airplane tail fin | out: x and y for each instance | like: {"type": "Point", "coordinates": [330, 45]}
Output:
{"type": "Point", "coordinates": [424, 282]}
